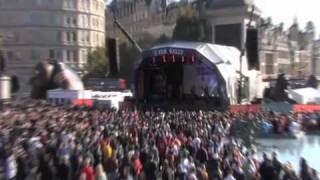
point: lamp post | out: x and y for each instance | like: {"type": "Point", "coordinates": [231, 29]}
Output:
{"type": "Point", "coordinates": [5, 80]}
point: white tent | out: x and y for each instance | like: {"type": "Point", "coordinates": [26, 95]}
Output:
{"type": "Point", "coordinates": [305, 95]}
{"type": "Point", "coordinates": [225, 59]}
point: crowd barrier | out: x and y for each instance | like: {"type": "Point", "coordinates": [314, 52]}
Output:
{"type": "Point", "coordinates": [275, 107]}
{"type": "Point", "coordinates": [306, 108]}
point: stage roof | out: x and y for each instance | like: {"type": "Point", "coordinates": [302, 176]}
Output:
{"type": "Point", "coordinates": [216, 54]}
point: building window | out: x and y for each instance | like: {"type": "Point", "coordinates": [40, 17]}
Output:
{"type": "Point", "coordinates": [59, 55]}
{"type": "Point", "coordinates": [88, 4]}
{"type": "Point", "coordinates": [68, 36]}
{"type": "Point", "coordinates": [51, 54]}
{"type": "Point", "coordinates": [84, 55]}
{"type": "Point", "coordinates": [88, 36]}
{"type": "Point", "coordinates": [95, 4]}
{"type": "Point", "coordinates": [68, 55]}
{"type": "Point", "coordinates": [75, 56]}
{"type": "Point", "coordinates": [59, 36]}
{"type": "Point", "coordinates": [269, 69]}
{"type": "Point", "coordinates": [269, 63]}
{"type": "Point", "coordinates": [74, 36]}
{"type": "Point", "coordinates": [68, 20]}
{"type": "Point", "coordinates": [97, 38]}
{"type": "Point", "coordinates": [283, 54]}
{"type": "Point", "coordinates": [269, 59]}
{"type": "Point", "coordinates": [74, 21]}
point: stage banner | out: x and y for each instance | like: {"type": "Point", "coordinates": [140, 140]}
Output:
{"type": "Point", "coordinates": [306, 108]}
{"type": "Point", "coordinates": [245, 108]}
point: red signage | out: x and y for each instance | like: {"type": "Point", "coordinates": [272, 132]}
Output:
{"type": "Point", "coordinates": [306, 108]}
{"type": "Point", "coordinates": [245, 108]}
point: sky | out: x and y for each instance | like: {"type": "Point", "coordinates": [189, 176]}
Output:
{"type": "Point", "coordinates": [286, 10]}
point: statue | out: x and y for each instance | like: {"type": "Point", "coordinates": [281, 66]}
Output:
{"type": "Point", "coordinates": [312, 82]}
{"type": "Point", "coordinates": [52, 74]}
{"type": "Point", "coordinates": [277, 93]}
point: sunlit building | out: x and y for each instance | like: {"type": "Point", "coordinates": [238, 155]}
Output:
{"type": "Point", "coordinates": [65, 30]}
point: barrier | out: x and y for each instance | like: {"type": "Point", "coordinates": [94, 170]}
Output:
{"type": "Point", "coordinates": [83, 102]}
{"type": "Point", "coordinates": [275, 107]}
{"type": "Point", "coordinates": [306, 108]}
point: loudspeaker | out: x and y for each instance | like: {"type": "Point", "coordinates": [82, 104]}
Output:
{"type": "Point", "coordinates": [252, 49]}
{"type": "Point", "coordinates": [113, 55]}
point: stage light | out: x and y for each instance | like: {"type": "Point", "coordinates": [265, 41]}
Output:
{"type": "Point", "coordinates": [193, 59]}
{"type": "Point", "coordinates": [164, 58]}
{"type": "Point", "coordinates": [173, 59]}
{"type": "Point", "coordinates": [154, 61]}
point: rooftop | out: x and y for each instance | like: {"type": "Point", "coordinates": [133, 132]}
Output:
{"type": "Point", "coordinates": [217, 4]}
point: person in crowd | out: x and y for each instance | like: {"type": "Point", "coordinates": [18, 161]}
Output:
{"type": "Point", "coordinates": [100, 173]}
{"type": "Point", "coordinates": [87, 172]}
{"type": "Point", "coordinates": [267, 169]}
{"type": "Point", "coordinates": [305, 171]}
{"type": "Point", "coordinates": [276, 164]}
{"type": "Point", "coordinates": [229, 175]}
{"type": "Point", "coordinates": [289, 173]}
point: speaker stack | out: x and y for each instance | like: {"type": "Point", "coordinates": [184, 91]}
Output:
{"type": "Point", "coordinates": [113, 54]}
{"type": "Point", "coordinates": [252, 47]}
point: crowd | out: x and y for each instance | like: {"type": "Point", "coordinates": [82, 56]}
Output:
{"type": "Point", "coordinates": [291, 123]}
{"type": "Point", "coordinates": [45, 142]}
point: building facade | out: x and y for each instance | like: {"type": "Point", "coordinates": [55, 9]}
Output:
{"type": "Point", "coordinates": [65, 30]}
{"type": "Point", "coordinates": [281, 52]}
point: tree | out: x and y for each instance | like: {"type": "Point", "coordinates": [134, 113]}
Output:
{"type": "Point", "coordinates": [310, 28]}
{"type": "Point", "coordinates": [189, 27]}
{"type": "Point", "coordinates": [97, 64]}
{"type": "Point", "coordinates": [162, 39]}
{"type": "Point", "coordinates": [146, 41]}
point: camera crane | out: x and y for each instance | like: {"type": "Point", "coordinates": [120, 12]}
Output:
{"type": "Point", "coordinates": [125, 33]}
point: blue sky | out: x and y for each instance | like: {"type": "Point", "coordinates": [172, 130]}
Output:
{"type": "Point", "coordinates": [286, 10]}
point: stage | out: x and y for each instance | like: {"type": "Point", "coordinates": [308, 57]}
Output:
{"type": "Point", "coordinates": [187, 74]}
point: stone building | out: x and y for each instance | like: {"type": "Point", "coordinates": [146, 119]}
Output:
{"type": "Point", "coordinates": [65, 30]}
{"type": "Point", "coordinates": [290, 51]}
